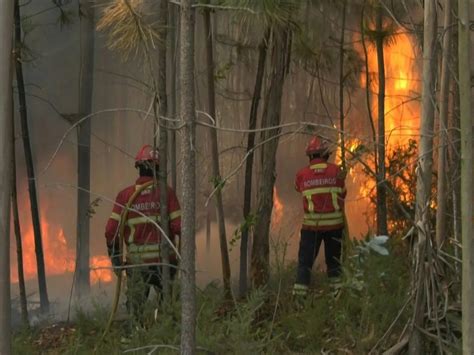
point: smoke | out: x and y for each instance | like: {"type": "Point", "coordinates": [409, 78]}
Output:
{"type": "Point", "coordinates": [52, 85]}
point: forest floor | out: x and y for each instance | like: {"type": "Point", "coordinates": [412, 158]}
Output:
{"type": "Point", "coordinates": [350, 317]}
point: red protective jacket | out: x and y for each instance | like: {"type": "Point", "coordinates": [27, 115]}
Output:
{"type": "Point", "coordinates": [141, 237]}
{"type": "Point", "coordinates": [322, 187]}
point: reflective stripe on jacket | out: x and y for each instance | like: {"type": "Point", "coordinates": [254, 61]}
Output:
{"type": "Point", "coordinates": [142, 238]}
{"type": "Point", "coordinates": [321, 185]}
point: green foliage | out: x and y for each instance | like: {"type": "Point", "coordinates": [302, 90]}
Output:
{"type": "Point", "coordinates": [401, 178]}
{"type": "Point", "coordinates": [22, 342]}
{"type": "Point", "coordinates": [218, 182]}
{"type": "Point", "coordinates": [269, 13]}
{"type": "Point", "coordinates": [235, 332]}
{"type": "Point", "coordinates": [91, 211]}
{"type": "Point", "coordinates": [401, 171]}
{"type": "Point", "coordinates": [350, 316]}
{"type": "Point", "coordinates": [357, 255]}
{"type": "Point", "coordinates": [248, 224]}
{"type": "Point", "coordinates": [130, 26]}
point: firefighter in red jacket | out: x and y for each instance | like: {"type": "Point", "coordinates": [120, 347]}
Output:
{"type": "Point", "coordinates": [321, 185]}
{"type": "Point", "coordinates": [142, 238]}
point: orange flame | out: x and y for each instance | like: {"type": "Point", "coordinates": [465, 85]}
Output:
{"type": "Point", "coordinates": [401, 114]}
{"type": "Point", "coordinates": [402, 111]}
{"type": "Point", "coordinates": [277, 207]}
{"type": "Point", "coordinates": [59, 257]}
{"type": "Point", "coordinates": [99, 274]}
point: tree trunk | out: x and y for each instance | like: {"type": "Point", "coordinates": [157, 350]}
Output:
{"type": "Point", "coordinates": [172, 58]}
{"type": "Point", "coordinates": [6, 113]}
{"type": "Point", "coordinates": [257, 91]}
{"type": "Point", "coordinates": [86, 85]}
{"type": "Point", "coordinates": [208, 228]}
{"type": "Point", "coordinates": [43, 292]}
{"type": "Point", "coordinates": [341, 87]}
{"type": "Point", "coordinates": [271, 117]}
{"type": "Point", "coordinates": [455, 160]}
{"type": "Point", "coordinates": [443, 124]}
{"type": "Point", "coordinates": [16, 224]}
{"type": "Point", "coordinates": [381, 185]}
{"type": "Point", "coordinates": [163, 146]}
{"type": "Point", "coordinates": [367, 84]}
{"type": "Point", "coordinates": [211, 96]}
{"type": "Point", "coordinates": [466, 178]}
{"type": "Point", "coordinates": [424, 174]}
{"type": "Point", "coordinates": [188, 180]}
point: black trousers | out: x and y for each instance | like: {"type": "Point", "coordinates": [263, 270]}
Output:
{"type": "Point", "coordinates": [310, 243]}
{"type": "Point", "coordinates": [139, 282]}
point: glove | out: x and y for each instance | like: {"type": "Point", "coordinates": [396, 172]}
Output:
{"type": "Point", "coordinates": [115, 258]}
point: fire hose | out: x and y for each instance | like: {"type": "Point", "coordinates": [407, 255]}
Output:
{"type": "Point", "coordinates": [122, 255]}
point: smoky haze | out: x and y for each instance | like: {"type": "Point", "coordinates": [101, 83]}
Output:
{"type": "Point", "coordinates": [119, 86]}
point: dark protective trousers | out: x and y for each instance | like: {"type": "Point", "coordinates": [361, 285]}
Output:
{"type": "Point", "coordinates": [310, 243]}
{"type": "Point", "coordinates": [139, 282]}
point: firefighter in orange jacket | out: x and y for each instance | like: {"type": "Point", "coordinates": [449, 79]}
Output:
{"type": "Point", "coordinates": [142, 239]}
{"type": "Point", "coordinates": [321, 185]}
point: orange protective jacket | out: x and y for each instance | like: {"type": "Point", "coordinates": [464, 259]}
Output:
{"type": "Point", "coordinates": [322, 187]}
{"type": "Point", "coordinates": [141, 237]}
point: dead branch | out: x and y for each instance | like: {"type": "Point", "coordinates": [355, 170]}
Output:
{"type": "Point", "coordinates": [388, 331]}
{"type": "Point", "coordinates": [397, 347]}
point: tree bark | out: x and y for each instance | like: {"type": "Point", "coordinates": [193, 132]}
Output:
{"type": "Point", "coordinates": [442, 193]}
{"type": "Point", "coordinates": [381, 185]}
{"type": "Point", "coordinates": [341, 87]}
{"type": "Point", "coordinates": [16, 224]}
{"type": "Point", "coordinates": [6, 113]}
{"type": "Point", "coordinates": [188, 179]}
{"type": "Point", "coordinates": [466, 177]}
{"type": "Point", "coordinates": [163, 146]}
{"type": "Point", "coordinates": [257, 91]}
{"type": "Point", "coordinates": [43, 292]}
{"type": "Point", "coordinates": [208, 228]}
{"type": "Point", "coordinates": [172, 58]}
{"type": "Point", "coordinates": [211, 96]}
{"type": "Point", "coordinates": [86, 86]}
{"type": "Point", "coordinates": [454, 152]}
{"type": "Point", "coordinates": [424, 174]}
{"type": "Point", "coordinates": [367, 84]}
{"type": "Point", "coordinates": [271, 117]}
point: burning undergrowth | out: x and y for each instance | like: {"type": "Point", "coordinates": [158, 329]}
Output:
{"type": "Point", "coordinates": [401, 115]}
{"type": "Point", "coordinates": [58, 248]}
